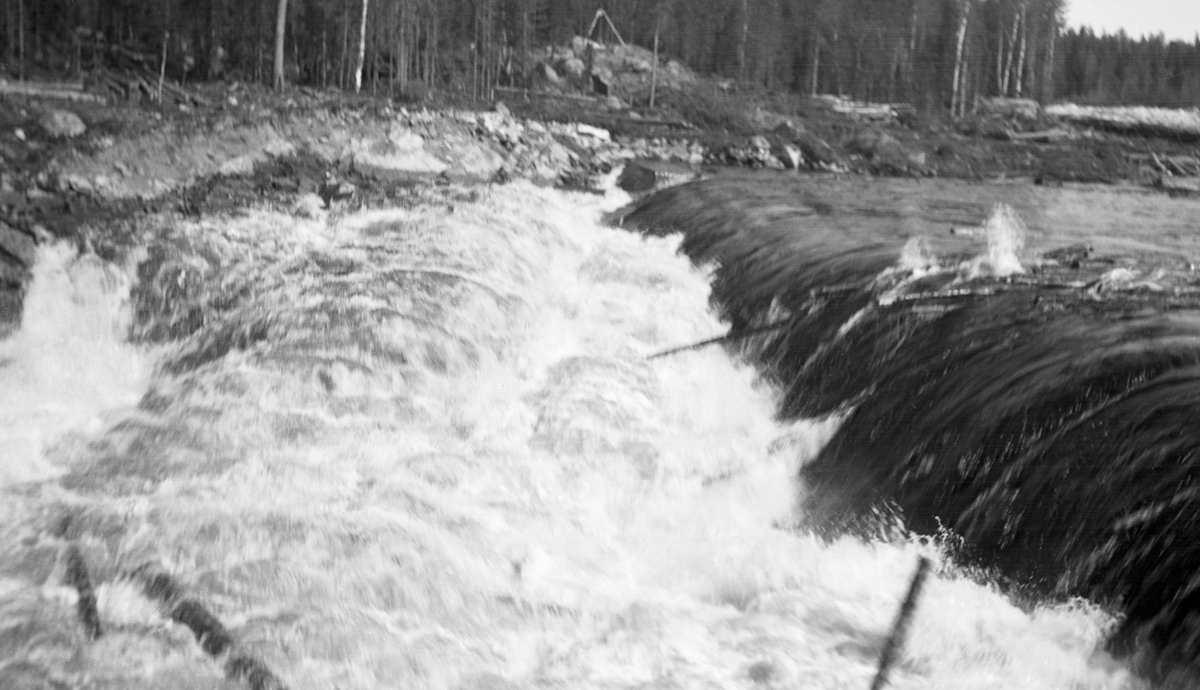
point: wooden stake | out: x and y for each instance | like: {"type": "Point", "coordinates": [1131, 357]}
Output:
{"type": "Point", "coordinates": [727, 338]}
{"type": "Point", "coordinates": [895, 641]}
{"type": "Point", "coordinates": [162, 70]}
{"type": "Point", "coordinates": [77, 577]}
{"type": "Point", "coordinates": [362, 49]}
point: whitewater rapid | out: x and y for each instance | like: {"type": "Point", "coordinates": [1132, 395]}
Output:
{"type": "Point", "coordinates": [425, 448]}
{"type": "Point", "coordinates": [69, 363]}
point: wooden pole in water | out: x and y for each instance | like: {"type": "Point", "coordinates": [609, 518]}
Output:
{"type": "Point", "coordinates": [895, 641]}
{"type": "Point", "coordinates": [728, 337]}
{"type": "Point", "coordinates": [77, 577]}
{"type": "Point", "coordinates": [162, 70]}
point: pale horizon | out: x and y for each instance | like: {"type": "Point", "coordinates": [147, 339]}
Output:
{"type": "Point", "coordinates": [1175, 19]}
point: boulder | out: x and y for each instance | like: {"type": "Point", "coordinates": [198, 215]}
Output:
{"type": "Point", "coordinates": [602, 81]}
{"type": "Point", "coordinates": [787, 129]}
{"type": "Point", "coordinates": [580, 45]}
{"type": "Point", "coordinates": [475, 164]}
{"type": "Point", "coordinates": [792, 157]}
{"type": "Point", "coordinates": [573, 66]}
{"type": "Point", "coordinates": [636, 177]}
{"type": "Point", "coordinates": [237, 166]}
{"type": "Point", "coordinates": [336, 190]}
{"type": "Point", "coordinates": [10, 311]}
{"type": "Point", "coordinates": [551, 75]}
{"type": "Point", "coordinates": [887, 154]}
{"type": "Point", "coordinates": [17, 244]}
{"type": "Point", "coordinates": [816, 149]}
{"type": "Point", "coordinates": [61, 124]}
{"type": "Point", "coordinates": [593, 132]}
{"type": "Point", "coordinates": [645, 176]}
{"type": "Point", "coordinates": [309, 206]}
{"type": "Point", "coordinates": [400, 157]}
{"type": "Point", "coordinates": [16, 256]}
{"type": "Point", "coordinates": [873, 144]}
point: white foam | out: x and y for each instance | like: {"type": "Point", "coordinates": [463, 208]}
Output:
{"type": "Point", "coordinates": [555, 510]}
{"type": "Point", "coordinates": [68, 363]}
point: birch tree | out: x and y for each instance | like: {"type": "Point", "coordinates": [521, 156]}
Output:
{"type": "Point", "coordinates": [959, 40]}
{"type": "Point", "coordinates": [280, 33]}
{"type": "Point", "coordinates": [362, 48]}
{"type": "Point", "coordinates": [1018, 75]}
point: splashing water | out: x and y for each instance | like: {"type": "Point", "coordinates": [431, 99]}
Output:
{"type": "Point", "coordinates": [426, 449]}
{"type": "Point", "coordinates": [68, 363]}
{"type": "Point", "coordinates": [1005, 233]}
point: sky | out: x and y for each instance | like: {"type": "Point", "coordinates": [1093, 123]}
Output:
{"type": "Point", "coordinates": [1177, 19]}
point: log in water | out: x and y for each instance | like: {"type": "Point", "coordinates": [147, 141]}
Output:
{"type": "Point", "coordinates": [1042, 410]}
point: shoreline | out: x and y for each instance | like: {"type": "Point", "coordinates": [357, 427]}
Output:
{"type": "Point", "coordinates": [308, 150]}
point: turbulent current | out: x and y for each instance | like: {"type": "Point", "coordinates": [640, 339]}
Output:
{"type": "Point", "coordinates": [428, 448]}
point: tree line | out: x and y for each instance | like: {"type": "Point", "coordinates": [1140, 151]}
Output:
{"type": "Point", "coordinates": [935, 54]}
{"type": "Point", "coordinates": [1117, 69]}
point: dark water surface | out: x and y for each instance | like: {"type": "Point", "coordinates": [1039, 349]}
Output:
{"type": "Point", "coordinates": [1018, 365]}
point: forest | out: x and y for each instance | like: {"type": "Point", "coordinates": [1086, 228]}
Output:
{"type": "Point", "coordinates": [934, 54]}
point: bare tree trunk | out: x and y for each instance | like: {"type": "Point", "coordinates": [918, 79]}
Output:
{"type": "Point", "coordinates": [525, 44]}
{"type": "Point", "coordinates": [1000, 58]}
{"type": "Point", "coordinates": [258, 46]}
{"type": "Point", "coordinates": [1033, 67]}
{"type": "Point", "coordinates": [430, 39]}
{"type": "Point", "coordinates": [816, 62]}
{"type": "Point", "coordinates": [280, 32]}
{"type": "Point", "coordinates": [1019, 75]}
{"type": "Point", "coordinates": [21, 40]}
{"type": "Point", "coordinates": [742, 41]}
{"type": "Point", "coordinates": [958, 55]}
{"type": "Point", "coordinates": [213, 62]}
{"type": "Point", "coordinates": [10, 32]}
{"type": "Point", "coordinates": [362, 49]}
{"type": "Point", "coordinates": [909, 69]}
{"type": "Point", "coordinates": [344, 64]}
{"type": "Point", "coordinates": [434, 61]}
{"type": "Point", "coordinates": [974, 99]}
{"type": "Point", "coordinates": [1012, 49]}
{"type": "Point", "coordinates": [396, 42]}
{"type": "Point", "coordinates": [402, 49]}
{"type": "Point", "coordinates": [1048, 64]}
{"type": "Point", "coordinates": [654, 67]}
{"type": "Point", "coordinates": [837, 62]}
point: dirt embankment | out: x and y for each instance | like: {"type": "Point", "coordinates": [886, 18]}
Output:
{"type": "Point", "coordinates": [68, 165]}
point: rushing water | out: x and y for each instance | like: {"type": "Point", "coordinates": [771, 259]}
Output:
{"type": "Point", "coordinates": [426, 448]}
{"type": "Point", "coordinates": [68, 363]}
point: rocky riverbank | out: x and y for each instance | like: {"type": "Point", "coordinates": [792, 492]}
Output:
{"type": "Point", "coordinates": [68, 166]}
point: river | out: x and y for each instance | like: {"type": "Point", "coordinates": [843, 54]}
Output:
{"type": "Point", "coordinates": [425, 447]}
